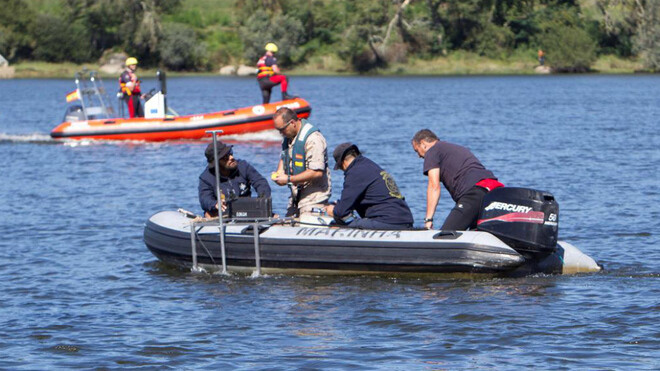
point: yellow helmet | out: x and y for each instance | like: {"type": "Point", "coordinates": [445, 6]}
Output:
{"type": "Point", "coordinates": [270, 47]}
{"type": "Point", "coordinates": [131, 61]}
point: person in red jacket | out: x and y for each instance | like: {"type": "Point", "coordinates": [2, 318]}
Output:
{"type": "Point", "coordinates": [129, 85]}
{"type": "Point", "coordinates": [269, 75]}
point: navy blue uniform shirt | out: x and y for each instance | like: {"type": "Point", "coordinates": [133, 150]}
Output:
{"type": "Point", "coordinates": [372, 192]}
{"type": "Point", "coordinates": [238, 184]}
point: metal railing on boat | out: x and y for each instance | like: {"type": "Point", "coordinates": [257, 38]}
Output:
{"type": "Point", "coordinates": [255, 223]}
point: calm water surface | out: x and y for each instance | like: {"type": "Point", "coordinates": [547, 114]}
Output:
{"type": "Point", "coordinates": [78, 288]}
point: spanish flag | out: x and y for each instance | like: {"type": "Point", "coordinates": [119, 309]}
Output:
{"type": "Point", "coordinates": [74, 95]}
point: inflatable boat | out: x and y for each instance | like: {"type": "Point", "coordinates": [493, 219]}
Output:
{"type": "Point", "coordinates": [296, 248]}
{"type": "Point", "coordinates": [91, 116]}
{"type": "Point", "coordinates": [516, 235]}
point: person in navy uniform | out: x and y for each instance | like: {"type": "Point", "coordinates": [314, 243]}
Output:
{"type": "Point", "coordinates": [237, 177]}
{"type": "Point", "coordinates": [369, 190]}
{"type": "Point", "coordinates": [464, 177]}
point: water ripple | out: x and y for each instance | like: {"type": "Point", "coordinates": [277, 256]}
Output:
{"type": "Point", "coordinates": [80, 290]}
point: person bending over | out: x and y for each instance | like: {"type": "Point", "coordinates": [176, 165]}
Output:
{"type": "Point", "coordinates": [237, 177]}
{"type": "Point", "coordinates": [464, 177]}
{"type": "Point", "coordinates": [369, 190]}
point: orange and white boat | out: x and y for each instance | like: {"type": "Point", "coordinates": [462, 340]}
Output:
{"type": "Point", "coordinates": [93, 118]}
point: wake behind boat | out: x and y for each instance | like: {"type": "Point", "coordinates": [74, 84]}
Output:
{"type": "Point", "coordinates": [95, 118]}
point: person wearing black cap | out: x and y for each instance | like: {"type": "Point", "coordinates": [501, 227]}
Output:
{"type": "Point", "coordinates": [237, 177]}
{"type": "Point", "coordinates": [369, 190]}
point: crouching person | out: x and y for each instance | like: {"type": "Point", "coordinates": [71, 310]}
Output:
{"type": "Point", "coordinates": [237, 177]}
{"type": "Point", "coordinates": [369, 190]}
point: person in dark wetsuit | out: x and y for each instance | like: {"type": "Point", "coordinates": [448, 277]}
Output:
{"type": "Point", "coordinates": [237, 177]}
{"type": "Point", "coordinates": [129, 85]}
{"type": "Point", "coordinates": [466, 179]}
{"type": "Point", "coordinates": [369, 190]}
{"type": "Point", "coordinates": [269, 75]}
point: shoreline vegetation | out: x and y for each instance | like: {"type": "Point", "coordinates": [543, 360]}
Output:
{"type": "Point", "coordinates": [53, 38]}
{"type": "Point", "coordinates": [461, 64]}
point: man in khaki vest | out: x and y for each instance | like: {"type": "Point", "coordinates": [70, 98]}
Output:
{"type": "Point", "coordinates": [303, 164]}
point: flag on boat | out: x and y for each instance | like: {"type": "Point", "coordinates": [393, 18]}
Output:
{"type": "Point", "coordinates": [74, 95]}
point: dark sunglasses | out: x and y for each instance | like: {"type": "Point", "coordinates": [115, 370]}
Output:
{"type": "Point", "coordinates": [226, 157]}
{"type": "Point", "coordinates": [285, 126]}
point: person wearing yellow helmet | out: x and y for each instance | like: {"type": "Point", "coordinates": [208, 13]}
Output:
{"type": "Point", "coordinates": [129, 85]}
{"type": "Point", "coordinates": [269, 74]}
{"type": "Point", "coordinates": [271, 47]}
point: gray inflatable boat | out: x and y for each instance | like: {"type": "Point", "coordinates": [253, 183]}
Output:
{"type": "Point", "coordinates": [283, 247]}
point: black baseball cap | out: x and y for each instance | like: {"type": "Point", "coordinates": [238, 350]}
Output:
{"type": "Point", "coordinates": [223, 150]}
{"type": "Point", "coordinates": [340, 152]}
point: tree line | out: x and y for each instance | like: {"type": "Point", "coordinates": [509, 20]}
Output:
{"type": "Point", "coordinates": [199, 35]}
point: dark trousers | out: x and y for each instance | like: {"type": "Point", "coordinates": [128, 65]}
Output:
{"type": "Point", "coordinates": [465, 213]}
{"type": "Point", "coordinates": [266, 85]}
{"type": "Point", "coordinates": [366, 223]}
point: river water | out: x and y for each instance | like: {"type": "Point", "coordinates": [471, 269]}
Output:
{"type": "Point", "coordinates": [78, 287]}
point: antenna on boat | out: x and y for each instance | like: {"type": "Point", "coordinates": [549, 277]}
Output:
{"type": "Point", "coordinates": [162, 79]}
{"type": "Point", "coordinates": [219, 197]}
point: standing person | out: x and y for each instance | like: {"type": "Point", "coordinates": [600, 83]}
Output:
{"type": "Point", "coordinates": [466, 179]}
{"type": "Point", "coordinates": [269, 75]}
{"type": "Point", "coordinates": [541, 55]}
{"type": "Point", "coordinates": [237, 177]}
{"type": "Point", "coordinates": [369, 190]}
{"type": "Point", "coordinates": [129, 85]}
{"type": "Point", "coordinates": [303, 164]}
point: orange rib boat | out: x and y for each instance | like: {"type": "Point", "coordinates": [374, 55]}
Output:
{"type": "Point", "coordinates": [91, 115]}
{"type": "Point", "coordinates": [238, 121]}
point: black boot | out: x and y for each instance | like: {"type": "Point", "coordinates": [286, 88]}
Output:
{"type": "Point", "coordinates": [286, 96]}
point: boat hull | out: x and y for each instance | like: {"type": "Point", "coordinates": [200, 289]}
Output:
{"type": "Point", "coordinates": [239, 121]}
{"type": "Point", "coordinates": [330, 250]}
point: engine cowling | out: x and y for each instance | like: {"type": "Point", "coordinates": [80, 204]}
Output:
{"type": "Point", "coordinates": [525, 219]}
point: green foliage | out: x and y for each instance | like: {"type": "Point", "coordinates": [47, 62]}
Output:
{"type": "Point", "coordinates": [283, 30]}
{"type": "Point", "coordinates": [363, 35]}
{"type": "Point", "coordinates": [568, 46]}
{"type": "Point", "coordinates": [647, 37]}
{"type": "Point", "coordinates": [59, 41]}
{"type": "Point", "coordinates": [15, 20]}
{"type": "Point", "coordinates": [179, 49]}
{"type": "Point", "coordinates": [493, 41]}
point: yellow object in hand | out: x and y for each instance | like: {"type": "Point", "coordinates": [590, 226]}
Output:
{"type": "Point", "coordinates": [274, 175]}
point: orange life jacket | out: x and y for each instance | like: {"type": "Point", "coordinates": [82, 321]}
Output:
{"type": "Point", "coordinates": [125, 89]}
{"type": "Point", "coordinates": [264, 69]}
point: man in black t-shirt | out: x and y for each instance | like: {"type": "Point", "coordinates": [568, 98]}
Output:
{"type": "Point", "coordinates": [464, 177]}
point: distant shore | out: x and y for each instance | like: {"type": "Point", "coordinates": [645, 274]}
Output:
{"type": "Point", "coordinates": [455, 64]}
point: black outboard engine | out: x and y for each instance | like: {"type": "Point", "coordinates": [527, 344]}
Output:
{"type": "Point", "coordinates": [525, 219]}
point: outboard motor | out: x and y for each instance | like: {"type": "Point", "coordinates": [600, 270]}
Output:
{"type": "Point", "coordinates": [525, 219]}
